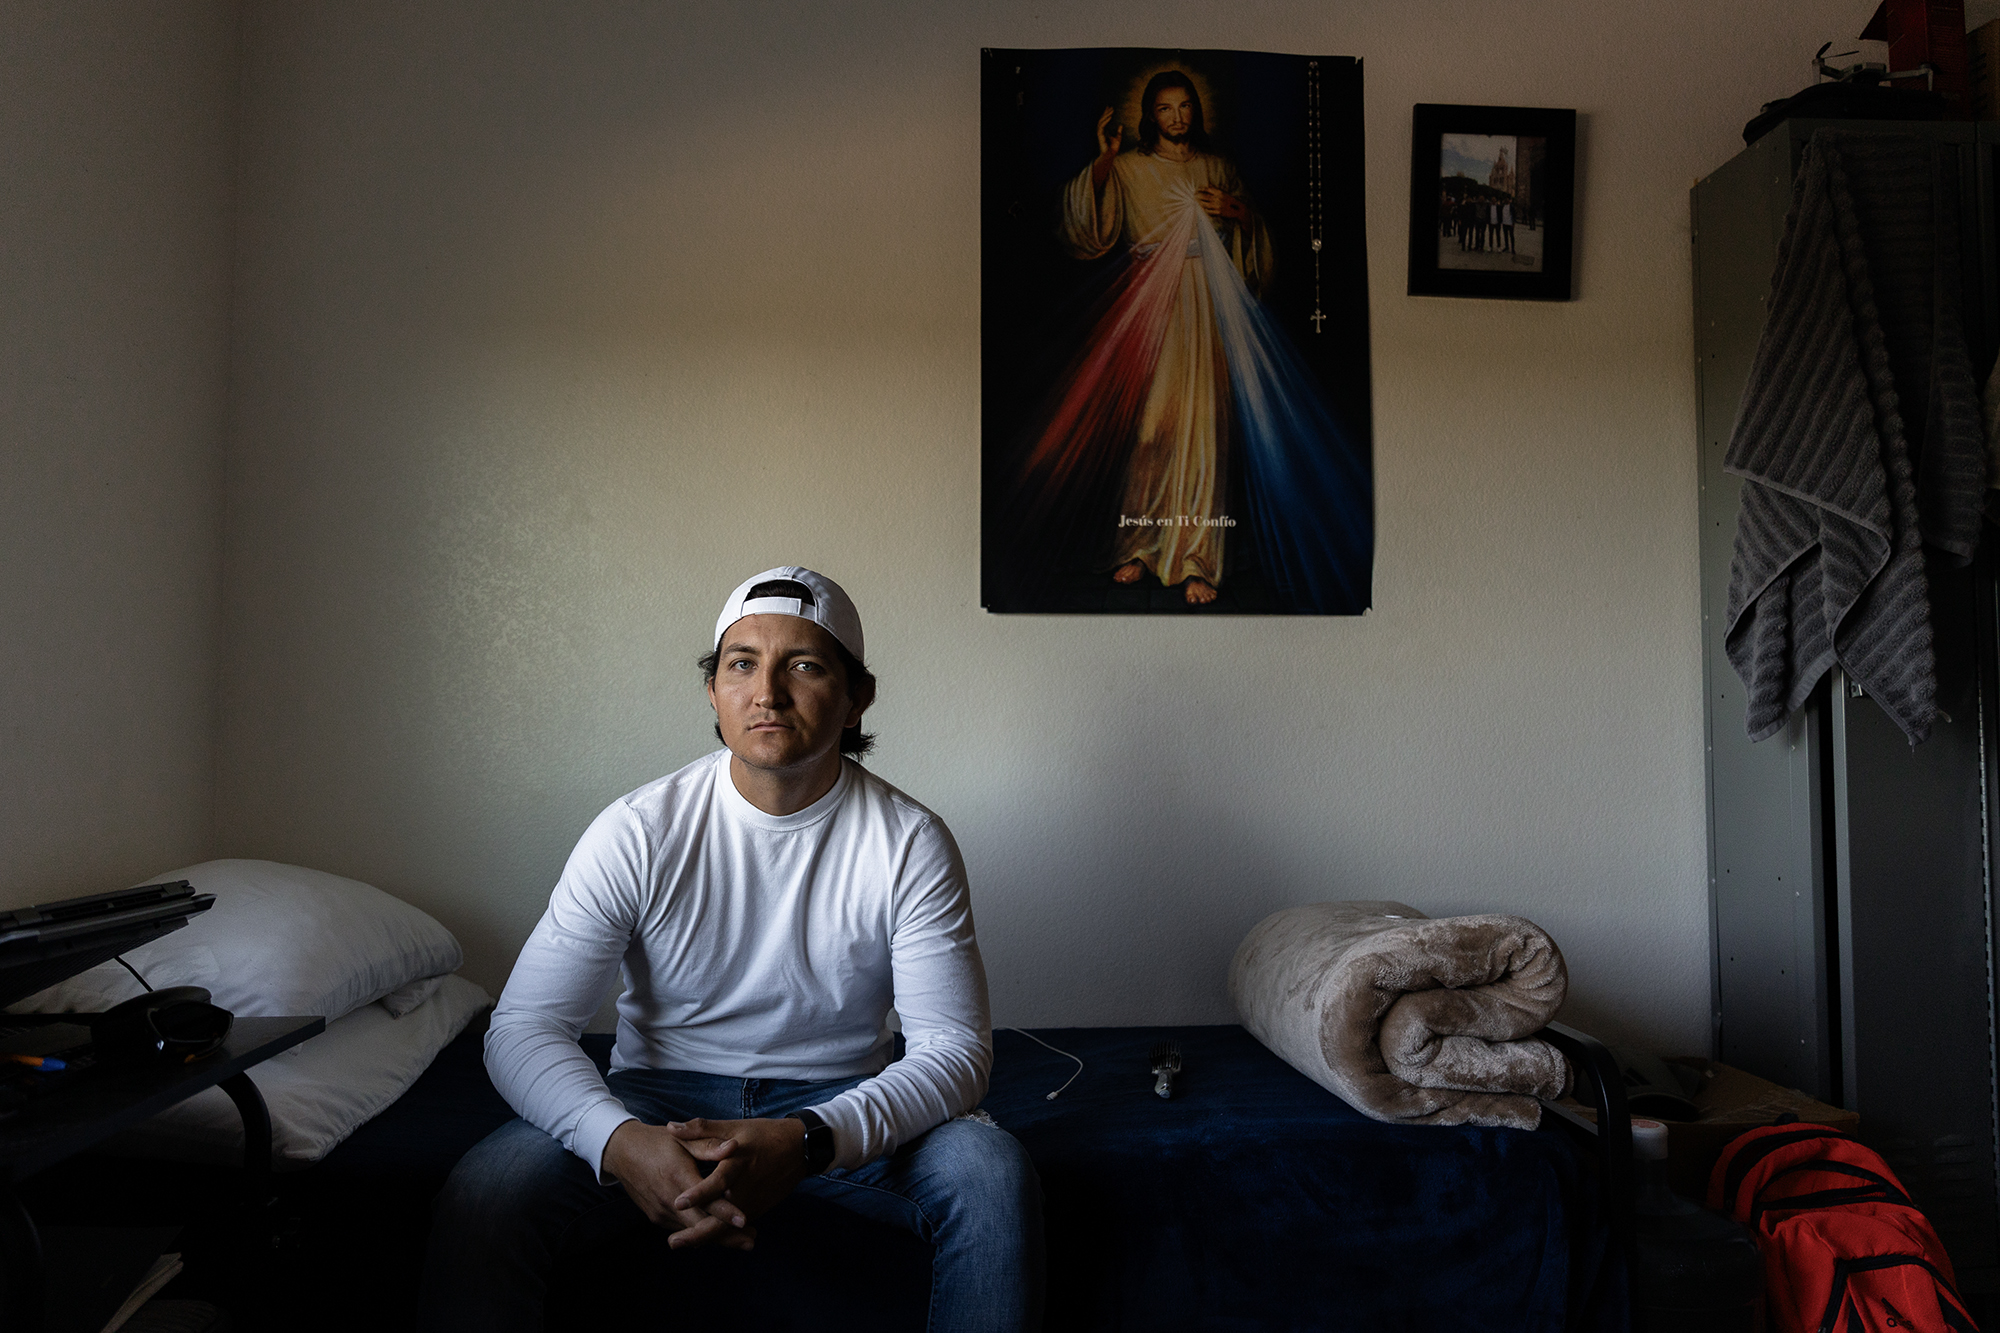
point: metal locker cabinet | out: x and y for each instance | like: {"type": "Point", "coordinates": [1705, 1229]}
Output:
{"type": "Point", "coordinates": [1849, 873]}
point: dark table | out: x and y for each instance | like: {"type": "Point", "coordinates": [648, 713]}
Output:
{"type": "Point", "coordinates": [68, 1121]}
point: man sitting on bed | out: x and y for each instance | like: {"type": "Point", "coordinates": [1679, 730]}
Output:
{"type": "Point", "coordinates": [768, 904]}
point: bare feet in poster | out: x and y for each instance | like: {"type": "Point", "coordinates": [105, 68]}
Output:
{"type": "Point", "coordinates": [1129, 572]}
{"type": "Point", "coordinates": [1200, 592]}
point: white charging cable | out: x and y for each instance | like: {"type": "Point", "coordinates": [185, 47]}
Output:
{"type": "Point", "coordinates": [1059, 1051]}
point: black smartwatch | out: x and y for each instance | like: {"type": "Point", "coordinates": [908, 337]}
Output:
{"type": "Point", "coordinates": [819, 1141]}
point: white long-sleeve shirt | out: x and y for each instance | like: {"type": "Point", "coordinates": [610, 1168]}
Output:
{"type": "Point", "coordinates": [754, 946]}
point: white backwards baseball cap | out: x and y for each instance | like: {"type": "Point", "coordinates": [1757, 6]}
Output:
{"type": "Point", "coordinates": [825, 605]}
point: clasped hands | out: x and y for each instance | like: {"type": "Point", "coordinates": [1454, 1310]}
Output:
{"type": "Point", "coordinates": [754, 1164]}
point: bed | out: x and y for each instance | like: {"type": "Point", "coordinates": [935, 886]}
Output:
{"type": "Point", "coordinates": [1252, 1199]}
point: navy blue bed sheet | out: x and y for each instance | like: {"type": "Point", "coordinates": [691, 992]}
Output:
{"type": "Point", "coordinates": [1252, 1200]}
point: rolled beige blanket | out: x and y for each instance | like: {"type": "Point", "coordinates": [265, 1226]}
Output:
{"type": "Point", "coordinates": [1408, 1019]}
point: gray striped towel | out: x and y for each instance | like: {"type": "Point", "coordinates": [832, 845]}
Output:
{"type": "Point", "coordinates": [1841, 490]}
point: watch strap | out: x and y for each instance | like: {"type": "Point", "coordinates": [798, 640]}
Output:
{"type": "Point", "coordinates": [819, 1147]}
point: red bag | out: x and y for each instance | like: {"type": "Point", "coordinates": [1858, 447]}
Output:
{"type": "Point", "coordinates": [1844, 1248]}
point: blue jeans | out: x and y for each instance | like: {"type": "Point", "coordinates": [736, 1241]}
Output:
{"type": "Point", "coordinates": [519, 1202]}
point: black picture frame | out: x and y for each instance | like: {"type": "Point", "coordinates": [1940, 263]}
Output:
{"type": "Point", "coordinates": [1498, 262]}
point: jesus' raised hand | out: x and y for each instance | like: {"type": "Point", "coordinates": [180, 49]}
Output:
{"type": "Point", "coordinates": [1108, 144]}
{"type": "Point", "coordinates": [1107, 148]}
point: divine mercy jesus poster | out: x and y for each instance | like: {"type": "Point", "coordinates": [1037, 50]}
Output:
{"type": "Point", "coordinates": [1175, 414]}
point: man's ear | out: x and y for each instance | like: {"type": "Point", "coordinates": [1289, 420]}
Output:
{"type": "Point", "coordinates": [864, 696]}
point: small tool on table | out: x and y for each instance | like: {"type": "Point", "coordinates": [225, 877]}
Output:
{"type": "Point", "coordinates": [1166, 1063]}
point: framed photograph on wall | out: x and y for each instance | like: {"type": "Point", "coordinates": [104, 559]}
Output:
{"type": "Point", "coordinates": [1492, 201]}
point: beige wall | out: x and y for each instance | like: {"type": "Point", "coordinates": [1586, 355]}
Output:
{"type": "Point", "coordinates": [116, 151]}
{"type": "Point", "coordinates": [555, 320]}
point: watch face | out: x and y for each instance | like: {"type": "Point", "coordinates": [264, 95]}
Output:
{"type": "Point", "coordinates": [819, 1148]}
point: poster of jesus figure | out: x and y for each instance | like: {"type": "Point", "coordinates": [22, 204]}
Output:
{"type": "Point", "coordinates": [1175, 334]}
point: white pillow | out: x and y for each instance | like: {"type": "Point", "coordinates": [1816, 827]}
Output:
{"type": "Point", "coordinates": [320, 1091]}
{"type": "Point", "coordinates": [280, 940]}
{"type": "Point", "coordinates": [403, 999]}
